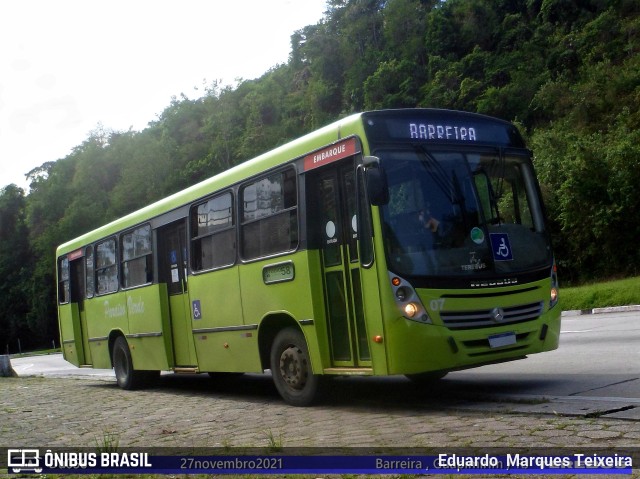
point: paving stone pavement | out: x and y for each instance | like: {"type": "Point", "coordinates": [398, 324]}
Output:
{"type": "Point", "coordinates": [59, 412]}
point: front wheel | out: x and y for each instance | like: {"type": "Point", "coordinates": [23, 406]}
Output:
{"type": "Point", "coordinates": [291, 369]}
{"type": "Point", "coordinates": [126, 376]}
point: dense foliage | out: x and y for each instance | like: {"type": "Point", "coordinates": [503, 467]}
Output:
{"type": "Point", "coordinates": [566, 71]}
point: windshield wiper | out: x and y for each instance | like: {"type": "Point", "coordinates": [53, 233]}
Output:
{"type": "Point", "coordinates": [448, 186]}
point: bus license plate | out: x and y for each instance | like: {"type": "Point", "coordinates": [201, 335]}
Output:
{"type": "Point", "coordinates": [500, 340]}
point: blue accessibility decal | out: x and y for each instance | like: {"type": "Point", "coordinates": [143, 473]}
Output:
{"type": "Point", "coordinates": [501, 247]}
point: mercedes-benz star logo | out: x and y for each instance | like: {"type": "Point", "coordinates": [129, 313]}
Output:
{"type": "Point", "coordinates": [497, 315]}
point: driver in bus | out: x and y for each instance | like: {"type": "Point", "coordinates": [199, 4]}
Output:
{"type": "Point", "coordinates": [427, 220]}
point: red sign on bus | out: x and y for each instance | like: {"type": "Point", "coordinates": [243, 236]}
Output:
{"type": "Point", "coordinates": [330, 154]}
{"type": "Point", "coordinates": [76, 254]}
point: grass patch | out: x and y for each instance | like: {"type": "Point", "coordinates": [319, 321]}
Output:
{"type": "Point", "coordinates": [275, 442]}
{"type": "Point", "coordinates": [621, 292]}
{"type": "Point", "coordinates": [39, 352]}
{"type": "Point", "coordinates": [108, 443]}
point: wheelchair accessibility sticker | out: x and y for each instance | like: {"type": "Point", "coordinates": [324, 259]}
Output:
{"type": "Point", "coordinates": [196, 309]}
{"type": "Point", "coordinates": [501, 247]}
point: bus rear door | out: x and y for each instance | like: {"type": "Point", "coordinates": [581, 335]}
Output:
{"type": "Point", "coordinates": [77, 301]}
{"type": "Point", "coordinates": [172, 247]}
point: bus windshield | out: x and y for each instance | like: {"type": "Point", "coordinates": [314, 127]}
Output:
{"type": "Point", "coordinates": [468, 212]}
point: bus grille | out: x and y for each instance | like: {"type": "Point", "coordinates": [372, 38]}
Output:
{"type": "Point", "coordinates": [491, 317]}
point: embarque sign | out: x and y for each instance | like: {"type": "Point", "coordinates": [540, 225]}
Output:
{"type": "Point", "coordinates": [335, 152]}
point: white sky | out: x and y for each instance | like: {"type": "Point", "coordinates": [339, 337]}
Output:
{"type": "Point", "coordinates": [68, 65]}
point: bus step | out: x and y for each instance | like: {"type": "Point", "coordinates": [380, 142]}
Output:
{"type": "Point", "coordinates": [186, 370]}
{"type": "Point", "coordinates": [349, 371]}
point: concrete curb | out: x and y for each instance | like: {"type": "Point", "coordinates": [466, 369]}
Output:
{"type": "Point", "coordinates": [5, 367]}
{"type": "Point", "coordinates": [613, 309]}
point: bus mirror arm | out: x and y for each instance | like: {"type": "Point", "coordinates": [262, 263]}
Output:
{"type": "Point", "coordinates": [376, 181]}
{"type": "Point", "coordinates": [369, 161]}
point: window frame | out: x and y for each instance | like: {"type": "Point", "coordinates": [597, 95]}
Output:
{"type": "Point", "coordinates": [196, 238]}
{"type": "Point", "coordinates": [89, 273]}
{"type": "Point", "coordinates": [286, 210]}
{"type": "Point", "coordinates": [147, 256]}
{"type": "Point", "coordinates": [64, 284]}
{"type": "Point", "coordinates": [115, 264]}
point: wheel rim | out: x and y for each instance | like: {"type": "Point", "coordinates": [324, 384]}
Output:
{"type": "Point", "coordinates": [293, 367]}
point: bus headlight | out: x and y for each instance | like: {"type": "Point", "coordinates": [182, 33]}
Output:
{"type": "Point", "coordinates": [407, 300]}
{"type": "Point", "coordinates": [410, 310]}
{"type": "Point", "coordinates": [554, 294]}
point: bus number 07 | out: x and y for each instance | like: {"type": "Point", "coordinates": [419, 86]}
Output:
{"type": "Point", "coordinates": [437, 304]}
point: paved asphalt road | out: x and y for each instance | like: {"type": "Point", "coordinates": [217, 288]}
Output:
{"type": "Point", "coordinates": [502, 406]}
{"type": "Point", "coordinates": [596, 371]}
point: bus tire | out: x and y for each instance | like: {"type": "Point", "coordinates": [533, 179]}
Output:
{"type": "Point", "coordinates": [126, 376]}
{"type": "Point", "coordinates": [291, 369]}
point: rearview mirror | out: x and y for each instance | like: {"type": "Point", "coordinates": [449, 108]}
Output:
{"type": "Point", "coordinates": [376, 182]}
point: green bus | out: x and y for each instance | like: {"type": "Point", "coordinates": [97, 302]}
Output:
{"type": "Point", "coordinates": [396, 242]}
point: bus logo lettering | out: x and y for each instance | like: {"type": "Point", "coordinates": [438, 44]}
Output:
{"type": "Point", "coordinates": [135, 307]}
{"type": "Point", "coordinates": [114, 311]}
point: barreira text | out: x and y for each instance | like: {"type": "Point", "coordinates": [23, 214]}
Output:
{"type": "Point", "coordinates": [423, 131]}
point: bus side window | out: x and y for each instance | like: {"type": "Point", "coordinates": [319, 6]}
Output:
{"type": "Point", "coordinates": [64, 289]}
{"type": "Point", "coordinates": [137, 258]}
{"type": "Point", "coordinates": [269, 215]}
{"type": "Point", "coordinates": [106, 267]}
{"type": "Point", "coordinates": [213, 233]}
{"type": "Point", "coordinates": [90, 272]}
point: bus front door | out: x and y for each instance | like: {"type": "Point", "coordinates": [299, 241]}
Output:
{"type": "Point", "coordinates": [172, 246]}
{"type": "Point", "coordinates": [341, 266]}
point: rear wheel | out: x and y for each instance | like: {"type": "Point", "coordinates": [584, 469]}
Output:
{"type": "Point", "coordinates": [126, 376]}
{"type": "Point", "coordinates": [291, 369]}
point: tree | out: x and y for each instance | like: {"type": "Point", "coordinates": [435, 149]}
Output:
{"type": "Point", "coordinates": [15, 269]}
{"type": "Point", "coordinates": [567, 72]}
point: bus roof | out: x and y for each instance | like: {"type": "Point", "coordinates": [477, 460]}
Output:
{"type": "Point", "coordinates": [278, 156]}
{"type": "Point", "coordinates": [499, 131]}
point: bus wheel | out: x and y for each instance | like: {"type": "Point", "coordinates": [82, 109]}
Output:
{"type": "Point", "coordinates": [291, 368]}
{"type": "Point", "coordinates": [126, 376]}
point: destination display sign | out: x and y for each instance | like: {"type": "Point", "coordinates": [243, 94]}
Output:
{"type": "Point", "coordinates": [432, 131]}
{"type": "Point", "coordinates": [441, 126]}
{"type": "Point", "coordinates": [332, 153]}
